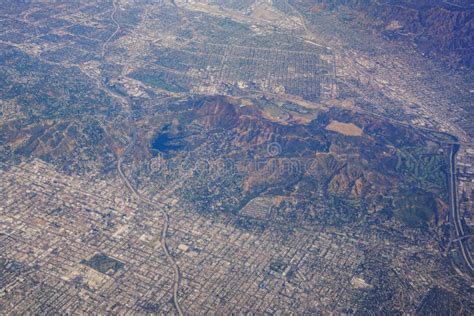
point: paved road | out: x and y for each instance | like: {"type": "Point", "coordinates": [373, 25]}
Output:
{"type": "Point", "coordinates": [471, 6]}
{"type": "Point", "coordinates": [452, 184]}
{"type": "Point", "coordinates": [177, 276]}
{"type": "Point", "coordinates": [135, 193]}
{"type": "Point", "coordinates": [453, 204]}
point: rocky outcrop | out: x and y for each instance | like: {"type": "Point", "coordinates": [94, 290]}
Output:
{"type": "Point", "coordinates": [333, 176]}
{"type": "Point", "coordinates": [436, 28]}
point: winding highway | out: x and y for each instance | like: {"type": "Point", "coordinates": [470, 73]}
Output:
{"type": "Point", "coordinates": [131, 188]}
{"type": "Point", "coordinates": [452, 181]}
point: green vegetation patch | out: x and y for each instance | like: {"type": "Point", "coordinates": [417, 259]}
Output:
{"type": "Point", "coordinates": [415, 208]}
{"type": "Point", "coordinates": [103, 263]}
{"type": "Point", "coordinates": [158, 79]}
{"type": "Point", "coordinates": [278, 266]}
{"type": "Point", "coordinates": [440, 302]}
{"type": "Point", "coordinates": [229, 24]}
{"type": "Point", "coordinates": [427, 170]}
